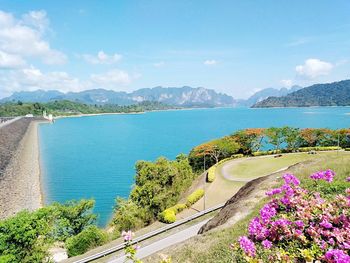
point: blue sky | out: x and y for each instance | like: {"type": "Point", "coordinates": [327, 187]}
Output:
{"type": "Point", "coordinates": [236, 47]}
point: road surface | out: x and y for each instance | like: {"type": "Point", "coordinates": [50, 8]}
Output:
{"type": "Point", "coordinates": [165, 242]}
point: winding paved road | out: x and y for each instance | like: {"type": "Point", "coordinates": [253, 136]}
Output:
{"type": "Point", "coordinates": [165, 242]}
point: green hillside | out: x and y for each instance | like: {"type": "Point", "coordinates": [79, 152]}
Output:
{"type": "Point", "coordinates": [330, 94]}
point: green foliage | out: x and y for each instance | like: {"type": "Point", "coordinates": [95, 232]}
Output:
{"type": "Point", "coordinates": [128, 215]}
{"type": "Point", "coordinates": [275, 136]}
{"type": "Point", "coordinates": [158, 185]}
{"type": "Point", "coordinates": [73, 217]}
{"type": "Point", "coordinates": [89, 238]}
{"type": "Point", "coordinates": [194, 197]}
{"type": "Point", "coordinates": [66, 107]}
{"type": "Point", "coordinates": [25, 236]}
{"type": "Point", "coordinates": [250, 140]}
{"type": "Point", "coordinates": [291, 137]}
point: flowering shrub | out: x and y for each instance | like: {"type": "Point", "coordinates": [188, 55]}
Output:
{"type": "Point", "coordinates": [299, 226]}
{"type": "Point", "coordinates": [130, 249]}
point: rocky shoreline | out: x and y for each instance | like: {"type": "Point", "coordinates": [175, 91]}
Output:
{"type": "Point", "coordinates": [20, 186]}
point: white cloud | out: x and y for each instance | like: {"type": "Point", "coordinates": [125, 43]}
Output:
{"type": "Point", "coordinates": [25, 37]}
{"type": "Point", "coordinates": [313, 68]}
{"type": "Point", "coordinates": [36, 19]}
{"type": "Point", "coordinates": [287, 83]}
{"type": "Point", "coordinates": [209, 62]}
{"type": "Point", "coordinates": [31, 78]}
{"type": "Point", "coordinates": [102, 58]}
{"type": "Point", "coordinates": [10, 61]}
{"type": "Point", "coordinates": [159, 64]}
{"type": "Point", "coordinates": [111, 79]}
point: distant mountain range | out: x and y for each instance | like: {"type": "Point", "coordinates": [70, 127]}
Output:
{"type": "Point", "coordinates": [265, 93]}
{"type": "Point", "coordinates": [330, 94]}
{"type": "Point", "coordinates": [184, 97]}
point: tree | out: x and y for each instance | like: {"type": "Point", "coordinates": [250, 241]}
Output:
{"type": "Point", "coordinates": [250, 140]}
{"type": "Point", "coordinates": [73, 217]}
{"type": "Point", "coordinates": [291, 137]}
{"type": "Point", "coordinates": [275, 136]}
{"type": "Point", "coordinates": [128, 215]}
{"type": "Point", "coordinates": [158, 185]}
{"type": "Point", "coordinates": [222, 148]}
{"type": "Point", "coordinates": [25, 237]}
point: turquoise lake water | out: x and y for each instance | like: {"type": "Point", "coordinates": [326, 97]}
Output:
{"type": "Point", "coordinates": [94, 157]}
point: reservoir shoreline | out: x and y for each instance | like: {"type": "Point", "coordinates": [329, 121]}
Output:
{"type": "Point", "coordinates": [20, 183]}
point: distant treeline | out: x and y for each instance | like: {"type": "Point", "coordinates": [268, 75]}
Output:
{"type": "Point", "coordinates": [66, 107]}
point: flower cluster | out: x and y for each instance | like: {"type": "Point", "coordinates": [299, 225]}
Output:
{"type": "Point", "coordinates": [323, 175]}
{"type": "Point", "coordinates": [298, 225]}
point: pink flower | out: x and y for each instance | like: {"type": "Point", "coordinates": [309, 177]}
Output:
{"type": "Point", "coordinates": [326, 224]}
{"type": "Point", "coordinates": [127, 235]}
{"type": "Point", "coordinates": [247, 245]}
{"type": "Point", "coordinates": [323, 175]}
{"type": "Point", "coordinates": [274, 192]}
{"type": "Point", "coordinates": [337, 256]}
{"type": "Point", "coordinates": [291, 179]}
{"type": "Point", "coordinates": [267, 244]}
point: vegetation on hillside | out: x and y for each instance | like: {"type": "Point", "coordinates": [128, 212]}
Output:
{"type": "Point", "coordinates": [158, 185]}
{"type": "Point", "coordinates": [66, 107]}
{"type": "Point", "coordinates": [27, 236]}
{"type": "Point", "coordinates": [330, 94]}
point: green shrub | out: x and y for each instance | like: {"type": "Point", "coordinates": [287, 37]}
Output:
{"type": "Point", "coordinates": [194, 197]}
{"type": "Point", "coordinates": [262, 153]}
{"type": "Point", "coordinates": [178, 208]}
{"type": "Point", "coordinates": [211, 174]}
{"type": "Point", "coordinates": [167, 216]}
{"type": "Point", "coordinates": [319, 148]}
{"type": "Point", "coordinates": [89, 238]}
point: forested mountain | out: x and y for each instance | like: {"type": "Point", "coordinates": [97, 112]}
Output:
{"type": "Point", "coordinates": [184, 97]}
{"type": "Point", "coordinates": [265, 93]}
{"type": "Point", "coordinates": [329, 94]}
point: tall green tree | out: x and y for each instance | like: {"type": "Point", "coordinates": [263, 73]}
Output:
{"type": "Point", "coordinates": [275, 136]}
{"type": "Point", "coordinates": [291, 137]}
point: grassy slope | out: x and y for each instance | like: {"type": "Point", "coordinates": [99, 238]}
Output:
{"type": "Point", "coordinates": [214, 245]}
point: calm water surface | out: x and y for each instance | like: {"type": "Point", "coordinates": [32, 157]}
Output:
{"type": "Point", "coordinates": [94, 157]}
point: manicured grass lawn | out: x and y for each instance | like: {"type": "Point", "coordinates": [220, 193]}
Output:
{"type": "Point", "coordinates": [251, 168]}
